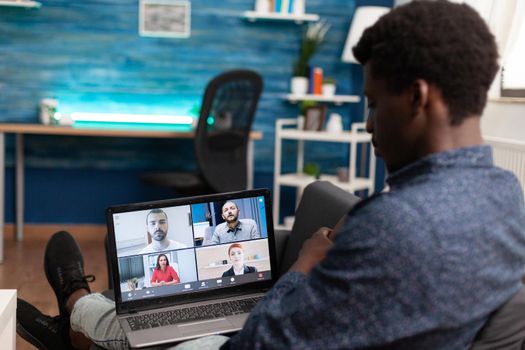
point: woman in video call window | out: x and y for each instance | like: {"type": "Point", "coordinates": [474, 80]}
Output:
{"type": "Point", "coordinates": [236, 255]}
{"type": "Point", "coordinates": [163, 273]}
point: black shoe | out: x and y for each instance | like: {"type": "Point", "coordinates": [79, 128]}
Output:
{"type": "Point", "coordinates": [44, 332]}
{"type": "Point", "coordinates": [64, 267]}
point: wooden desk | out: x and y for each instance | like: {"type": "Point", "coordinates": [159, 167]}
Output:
{"type": "Point", "coordinates": [38, 129]}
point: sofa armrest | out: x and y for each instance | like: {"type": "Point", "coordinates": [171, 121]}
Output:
{"type": "Point", "coordinates": [322, 204]}
{"type": "Point", "coordinates": [281, 239]}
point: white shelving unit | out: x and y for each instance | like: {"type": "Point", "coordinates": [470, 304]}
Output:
{"type": "Point", "coordinates": [253, 16]}
{"type": "Point", "coordinates": [336, 99]}
{"type": "Point", "coordinates": [286, 129]}
{"type": "Point", "coordinates": [20, 3]}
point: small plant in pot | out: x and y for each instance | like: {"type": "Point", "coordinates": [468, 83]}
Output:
{"type": "Point", "coordinates": [312, 169]}
{"type": "Point", "coordinates": [311, 40]}
{"type": "Point", "coordinates": [328, 87]}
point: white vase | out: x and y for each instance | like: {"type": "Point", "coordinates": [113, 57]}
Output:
{"type": "Point", "coordinates": [328, 90]}
{"type": "Point", "coordinates": [262, 6]}
{"type": "Point", "coordinates": [335, 123]}
{"type": "Point", "coordinates": [298, 7]}
{"type": "Point", "coordinates": [299, 85]}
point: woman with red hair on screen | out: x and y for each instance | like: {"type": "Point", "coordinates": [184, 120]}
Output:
{"type": "Point", "coordinates": [236, 255]}
{"type": "Point", "coordinates": [164, 274]}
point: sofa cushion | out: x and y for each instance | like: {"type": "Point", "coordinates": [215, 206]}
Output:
{"type": "Point", "coordinates": [505, 329]}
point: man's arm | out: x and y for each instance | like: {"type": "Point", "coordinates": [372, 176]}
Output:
{"type": "Point", "coordinates": [254, 232]}
{"type": "Point", "coordinates": [215, 237]}
{"type": "Point", "coordinates": [326, 300]}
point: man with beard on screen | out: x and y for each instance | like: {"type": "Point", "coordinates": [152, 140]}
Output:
{"type": "Point", "coordinates": [157, 226]}
{"type": "Point", "coordinates": [234, 229]}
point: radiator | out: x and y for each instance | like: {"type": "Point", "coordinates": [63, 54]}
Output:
{"type": "Point", "coordinates": [509, 154]}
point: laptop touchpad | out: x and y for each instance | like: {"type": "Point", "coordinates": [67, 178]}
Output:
{"type": "Point", "coordinates": [204, 326]}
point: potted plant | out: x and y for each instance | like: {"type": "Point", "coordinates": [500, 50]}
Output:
{"type": "Point", "coordinates": [312, 169]}
{"type": "Point", "coordinates": [328, 87]}
{"type": "Point", "coordinates": [311, 40]}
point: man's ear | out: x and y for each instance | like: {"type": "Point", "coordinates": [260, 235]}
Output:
{"type": "Point", "coordinates": [420, 96]}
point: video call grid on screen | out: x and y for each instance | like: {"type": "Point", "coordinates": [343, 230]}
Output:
{"type": "Point", "coordinates": [196, 256]}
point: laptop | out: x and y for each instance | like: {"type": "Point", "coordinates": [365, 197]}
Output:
{"type": "Point", "coordinates": [195, 276]}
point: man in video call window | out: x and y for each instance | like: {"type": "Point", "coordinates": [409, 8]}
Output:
{"type": "Point", "coordinates": [234, 229]}
{"type": "Point", "coordinates": [157, 226]}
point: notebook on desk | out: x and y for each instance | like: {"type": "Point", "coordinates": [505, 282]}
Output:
{"type": "Point", "coordinates": [182, 269]}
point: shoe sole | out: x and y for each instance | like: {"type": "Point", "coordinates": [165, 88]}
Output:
{"type": "Point", "coordinates": [21, 331]}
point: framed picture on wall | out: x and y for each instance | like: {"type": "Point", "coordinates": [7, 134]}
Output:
{"type": "Point", "coordinates": [314, 117]}
{"type": "Point", "coordinates": [165, 18]}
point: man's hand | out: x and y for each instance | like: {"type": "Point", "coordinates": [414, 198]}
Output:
{"type": "Point", "coordinates": [313, 251]}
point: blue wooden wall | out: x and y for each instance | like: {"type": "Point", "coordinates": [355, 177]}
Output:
{"type": "Point", "coordinates": [89, 56]}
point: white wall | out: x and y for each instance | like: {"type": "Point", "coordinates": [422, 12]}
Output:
{"type": "Point", "coordinates": [504, 119]}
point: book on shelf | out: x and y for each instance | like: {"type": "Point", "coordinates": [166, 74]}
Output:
{"type": "Point", "coordinates": [284, 6]}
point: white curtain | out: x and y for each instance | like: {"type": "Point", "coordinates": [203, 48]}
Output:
{"type": "Point", "coordinates": [506, 22]}
{"type": "Point", "coordinates": [514, 54]}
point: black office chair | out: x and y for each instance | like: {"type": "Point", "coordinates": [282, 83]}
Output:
{"type": "Point", "coordinates": [221, 137]}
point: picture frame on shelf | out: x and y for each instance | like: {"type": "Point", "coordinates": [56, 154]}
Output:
{"type": "Point", "coordinates": [314, 117]}
{"type": "Point", "coordinates": [165, 18]}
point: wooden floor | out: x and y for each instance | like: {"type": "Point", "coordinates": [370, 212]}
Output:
{"type": "Point", "coordinates": [23, 267]}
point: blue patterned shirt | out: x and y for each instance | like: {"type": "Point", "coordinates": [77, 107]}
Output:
{"type": "Point", "coordinates": [419, 267]}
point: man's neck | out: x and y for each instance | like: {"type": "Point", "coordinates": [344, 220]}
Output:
{"type": "Point", "coordinates": [446, 137]}
{"type": "Point", "coordinates": [161, 245]}
{"type": "Point", "coordinates": [233, 225]}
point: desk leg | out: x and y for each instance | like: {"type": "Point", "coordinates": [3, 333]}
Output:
{"type": "Point", "coordinates": [2, 194]}
{"type": "Point", "coordinates": [19, 187]}
{"type": "Point", "coordinates": [249, 165]}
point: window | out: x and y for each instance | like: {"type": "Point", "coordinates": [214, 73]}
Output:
{"type": "Point", "coordinates": [513, 72]}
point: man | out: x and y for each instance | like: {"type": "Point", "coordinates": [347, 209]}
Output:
{"type": "Point", "coordinates": [157, 227]}
{"type": "Point", "coordinates": [234, 229]}
{"type": "Point", "coordinates": [425, 264]}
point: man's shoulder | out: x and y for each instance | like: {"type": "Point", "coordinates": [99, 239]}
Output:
{"type": "Point", "coordinates": [247, 222]}
{"type": "Point", "coordinates": [220, 227]}
{"type": "Point", "coordinates": [176, 245]}
{"type": "Point", "coordinates": [146, 249]}
{"type": "Point", "coordinates": [385, 219]}
{"type": "Point", "coordinates": [384, 204]}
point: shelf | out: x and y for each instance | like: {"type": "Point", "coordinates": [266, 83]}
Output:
{"type": "Point", "coordinates": [337, 99]}
{"type": "Point", "coordinates": [303, 180]}
{"type": "Point", "coordinates": [286, 129]}
{"type": "Point", "coordinates": [325, 136]}
{"type": "Point", "coordinates": [253, 16]}
{"type": "Point", "coordinates": [27, 4]}
{"type": "Point", "coordinates": [246, 262]}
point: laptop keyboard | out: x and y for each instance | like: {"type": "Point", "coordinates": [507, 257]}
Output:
{"type": "Point", "coordinates": [195, 313]}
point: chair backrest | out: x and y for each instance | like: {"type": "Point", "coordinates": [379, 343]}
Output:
{"type": "Point", "coordinates": [223, 130]}
{"type": "Point", "coordinates": [335, 203]}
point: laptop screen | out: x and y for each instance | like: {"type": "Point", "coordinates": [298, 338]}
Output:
{"type": "Point", "coordinates": [191, 247]}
